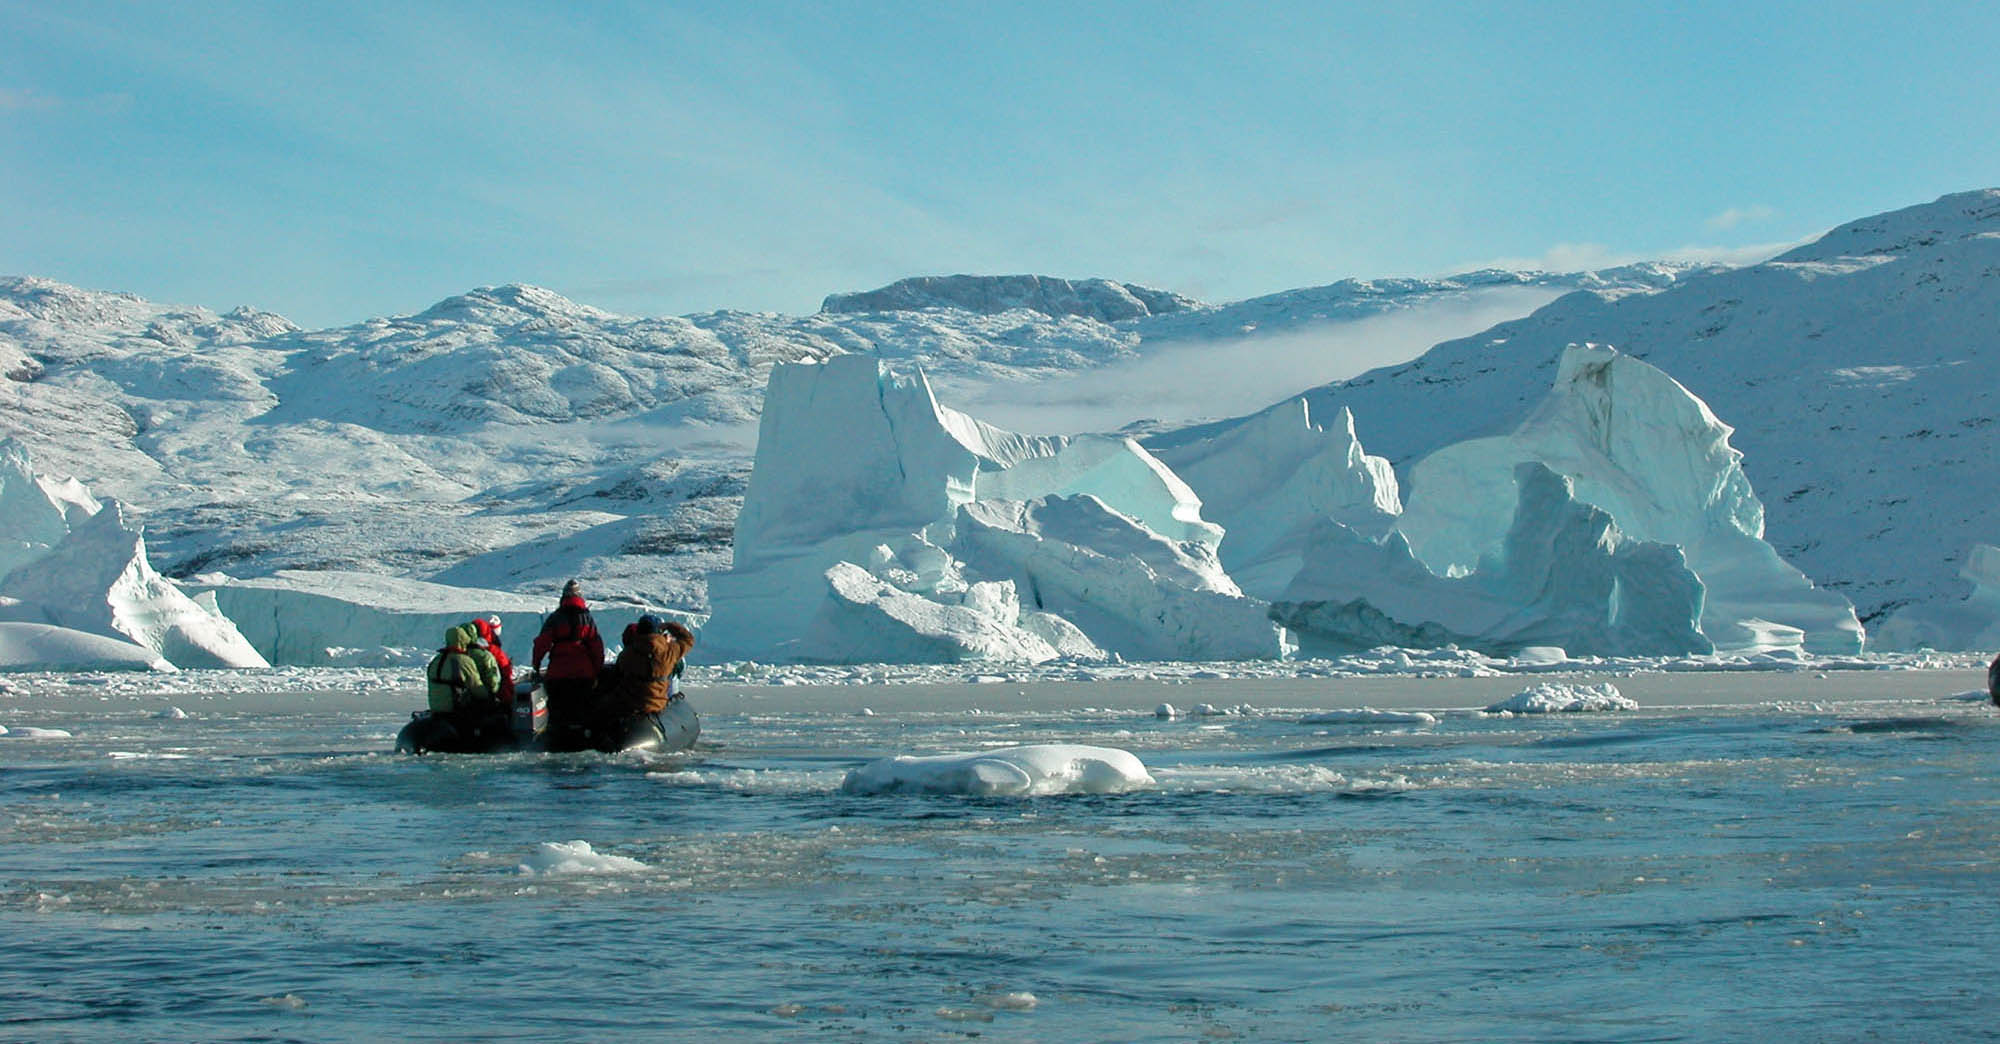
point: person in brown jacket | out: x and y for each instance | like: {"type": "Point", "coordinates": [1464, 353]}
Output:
{"type": "Point", "coordinates": [641, 682]}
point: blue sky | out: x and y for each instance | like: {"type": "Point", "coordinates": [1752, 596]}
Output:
{"type": "Point", "coordinates": [338, 161]}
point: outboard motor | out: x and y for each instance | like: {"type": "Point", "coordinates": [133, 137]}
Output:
{"type": "Point", "coordinates": [531, 713]}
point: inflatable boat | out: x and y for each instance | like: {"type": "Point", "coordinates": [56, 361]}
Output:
{"type": "Point", "coordinates": [528, 729]}
{"type": "Point", "coordinates": [674, 728]}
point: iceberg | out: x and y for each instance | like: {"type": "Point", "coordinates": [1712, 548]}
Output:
{"type": "Point", "coordinates": [848, 445]}
{"type": "Point", "coordinates": [881, 526]}
{"type": "Point", "coordinates": [46, 647]}
{"type": "Point", "coordinates": [1854, 370]}
{"type": "Point", "coordinates": [37, 509]}
{"type": "Point", "coordinates": [1564, 575]}
{"type": "Point", "coordinates": [868, 620]}
{"type": "Point", "coordinates": [97, 580]}
{"type": "Point", "coordinates": [1644, 449]}
{"type": "Point", "coordinates": [76, 586]}
{"type": "Point", "coordinates": [1272, 480]}
{"type": "Point", "coordinates": [1133, 591]}
{"type": "Point", "coordinates": [1116, 471]}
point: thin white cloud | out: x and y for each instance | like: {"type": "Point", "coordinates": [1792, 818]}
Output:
{"type": "Point", "coordinates": [1735, 216]}
{"type": "Point", "coordinates": [1736, 256]}
{"type": "Point", "coordinates": [1233, 376]}
{"type": "Point", "coordinates": [1587, 257]}
{"type": "Point", "coordinates": [28, 99]}
{"type": "Point", "coordinates": [17, 99]}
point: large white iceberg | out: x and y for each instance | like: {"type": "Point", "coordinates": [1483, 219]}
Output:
{"type": "Point", "coordinates": [866, 619]}
{"type": "Point", "coordinates": [78, 590]}
{"type": "Point", "coordinates": [880, 525]}
{"type": "Point", "coordinates": [1637, 444]}
{"type": "Point", "coordinates": [1132, 590]}
{"type": "Point", "coordinates": [1564, 575]}
{"type": "Point", "coordinates": [46, 647]}
{"type": "Point", "coordinates": [1271, 481]}
{"type": "Point", "coordinates": [36, 510]}
{"type": "Point", "coordinates": [98, 580]}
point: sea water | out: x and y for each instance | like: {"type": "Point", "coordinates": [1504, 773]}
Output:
{"type": "Point", "coordinates": [1782, 855]}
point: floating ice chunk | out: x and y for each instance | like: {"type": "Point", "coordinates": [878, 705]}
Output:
{"type": "Point", "coordinates": [30, 732]}
{"type": "Point", "coordinates": [28, 646]}
{"type": "Point", "coordinates": [1019, 1001]}
{"type": "Point", "coordinates": [1046, 768]}
{"type": "Point", "coordinates": [1204, 710]}
{"type": "Point", "coordinates": [576, 857]}
{"type": "Point", "coordinates": [1369, 716]}
{"type": "Point", "coordinates": [1557, 698]}
{"type": "Point", "coordinates": [172, 714]}
{"type": "Point", "coordinates": [289, 1002]}
{"type": "Point", "coordinates": [1165, 710]}
{"type": "Point", "coordinates": [1541, 654]}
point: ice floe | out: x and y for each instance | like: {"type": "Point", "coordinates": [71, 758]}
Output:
{"type": "Point", "coordinates": [31, 732]}
{"type": "Point", "coordinates": [1369, 716]}
{"type": "Point", "coordinates": [576, 857]}
{"type": "Point", "coordinates": [1035, 769]}
{"type": "Point", "coordinates": [1563, 698]}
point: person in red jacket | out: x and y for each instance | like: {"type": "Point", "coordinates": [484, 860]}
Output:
{"type": "Point", "coordinates": [489, 637]}
{"type": "Point", "coordinates": [574, 651]}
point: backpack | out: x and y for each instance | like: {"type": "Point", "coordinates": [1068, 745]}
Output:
{"type": "Point", "coordinates": [449, 684]}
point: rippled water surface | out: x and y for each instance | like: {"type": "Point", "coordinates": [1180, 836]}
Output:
{"type": "Point", "coordinates": [1765, 855]}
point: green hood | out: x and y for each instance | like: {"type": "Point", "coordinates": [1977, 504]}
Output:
{"type": "Point", "coordinates": [461, 636]}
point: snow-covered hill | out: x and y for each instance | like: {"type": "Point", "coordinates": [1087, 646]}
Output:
{"type": "Point", "coordinates": [508, 437]}
{"type": "Point", "coordinates": [1861, 373]}
{"type": "Point", "coordinates": [1099, 299]}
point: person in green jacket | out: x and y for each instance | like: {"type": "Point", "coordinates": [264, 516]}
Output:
{"type": "Point", "coordinates": [464, 688]}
